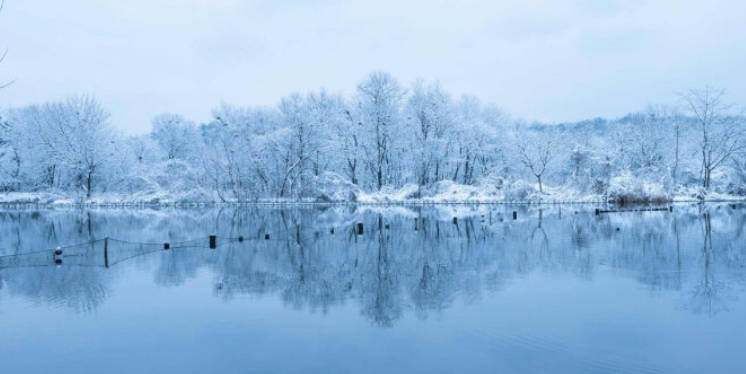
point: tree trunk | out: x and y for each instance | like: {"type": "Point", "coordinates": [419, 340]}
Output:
{"type": "Point", "coordinates": [89, 182]}
{"type": "Point", "coordinates": [380, 176]}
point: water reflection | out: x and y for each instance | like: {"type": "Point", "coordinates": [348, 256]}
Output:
{"type": "Point", "coordinates": [392, 268]}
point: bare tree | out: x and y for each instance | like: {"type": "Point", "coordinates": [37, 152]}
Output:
{"type": "Point", "coordinates": [678, 131]}
{"type": "Point", "coordinates": [720, 129]}
{"type": "Point", "coordinates": [2, 58]}
{"type": "Point", "coordinates": [537, 150]}
{"type": "Point", "coordinates": [348, 139]}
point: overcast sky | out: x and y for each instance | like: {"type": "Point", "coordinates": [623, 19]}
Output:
{"type": "Point", "coordinates": [547, 60]}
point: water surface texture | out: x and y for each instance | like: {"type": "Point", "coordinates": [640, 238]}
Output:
{"type": "Point", "coordinates": [559, 289]}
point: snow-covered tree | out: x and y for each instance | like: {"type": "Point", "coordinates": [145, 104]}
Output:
{"type": "Point", "coordinates": [379, 99]}
{"type": "Point", "coordinates": [478, 138]}
{"type": "Point", "coordinates": [10, 159]}
{"type": "Point", "coordinates": [382, 136]}
{"type": "Point", "coordinates": [720, 128]}
{"type": "Point", "coordinates": [66, 143]}
{"type": "Point", "coordinates": [429, 123]}
{"type": "Point", "coordinates": [177, 136]}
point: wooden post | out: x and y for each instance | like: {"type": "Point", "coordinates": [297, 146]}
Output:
{"type": "Point", "coordinates": [415, 223]}
{"type": "Point", "coordinates": [515, 215]}
{"type": "Point", "coordinates": [266, 236]}
{"type": "Point", "coordinates": [331, 231]}
{"type": "Point", "coordinates": [455, 221]}
{"type": "Point", "coordinates": [213, 241]}
{"type": "Point", "coordinates": [598, 211]}
{"type": "Point", "coordinates": [106, 252]}
{"type": "Point", "coordinates": [166, 246]}
{"type": "Point", "coordinates": [360, 228]}
{"type": "Point", "coordinates": [240, 239]}
{"type": "Point", "coordinates": [670, 208]}
{"type": "Point", "coordinates": [388, 226]}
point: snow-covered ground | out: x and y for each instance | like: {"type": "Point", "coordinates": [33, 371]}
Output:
{"type": "Point", "coordinates": [444, 192]}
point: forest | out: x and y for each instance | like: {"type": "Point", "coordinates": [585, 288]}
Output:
{"type": "Point", "coordinates": [386, 142]}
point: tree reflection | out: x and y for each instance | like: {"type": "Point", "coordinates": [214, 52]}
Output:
{"type": "Point", "coordinates": [391, 268]}
{"type": "Point", "coordinates": [708, 293]}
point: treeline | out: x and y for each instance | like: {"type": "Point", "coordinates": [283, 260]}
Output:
{"type": "Point", "coordinates": [381, 138]}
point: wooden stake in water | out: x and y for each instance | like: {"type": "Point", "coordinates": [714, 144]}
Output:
{"type": "Point", "coordinates": [106, 252]}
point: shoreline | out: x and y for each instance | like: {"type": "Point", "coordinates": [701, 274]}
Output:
{"type": "Point", "coordinates": [52, 205]}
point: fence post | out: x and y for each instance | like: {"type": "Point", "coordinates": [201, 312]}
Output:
{"type": "Point", "coordinates": [515, 215]}
{"type": "Point", "coordinates": [360, 228]}
{"type": "Point", "coordinates": [213, 241]}
{"type": "Point", "coordinates": [106, 252]}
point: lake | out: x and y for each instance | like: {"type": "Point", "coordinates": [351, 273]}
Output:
{"type": "Point", "coordinates": [558, 289]}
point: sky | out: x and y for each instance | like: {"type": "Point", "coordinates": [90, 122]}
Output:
{"type": "Point", "coordinates": [551, 61]}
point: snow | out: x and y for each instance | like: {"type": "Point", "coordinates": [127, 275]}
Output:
{"type": "Point", "coordinates": [386, 144]}
{"type": "Point", "coordinates": [332, 188]}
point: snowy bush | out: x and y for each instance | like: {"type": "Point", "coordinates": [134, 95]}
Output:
{"type": "Point", "coordinates": [628, 189]}
{"type": "Point", "coordinates": [332, 187]}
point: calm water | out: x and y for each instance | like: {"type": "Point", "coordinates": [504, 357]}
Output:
{"type": "Point", "coordinates": [558, 290]}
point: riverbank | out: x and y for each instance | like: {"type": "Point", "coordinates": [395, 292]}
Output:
{"type": "Point", "coordinates": [443, 193]}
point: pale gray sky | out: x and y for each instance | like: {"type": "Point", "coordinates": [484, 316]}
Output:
{"type": "Point", "coordinates": [538, 59]}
